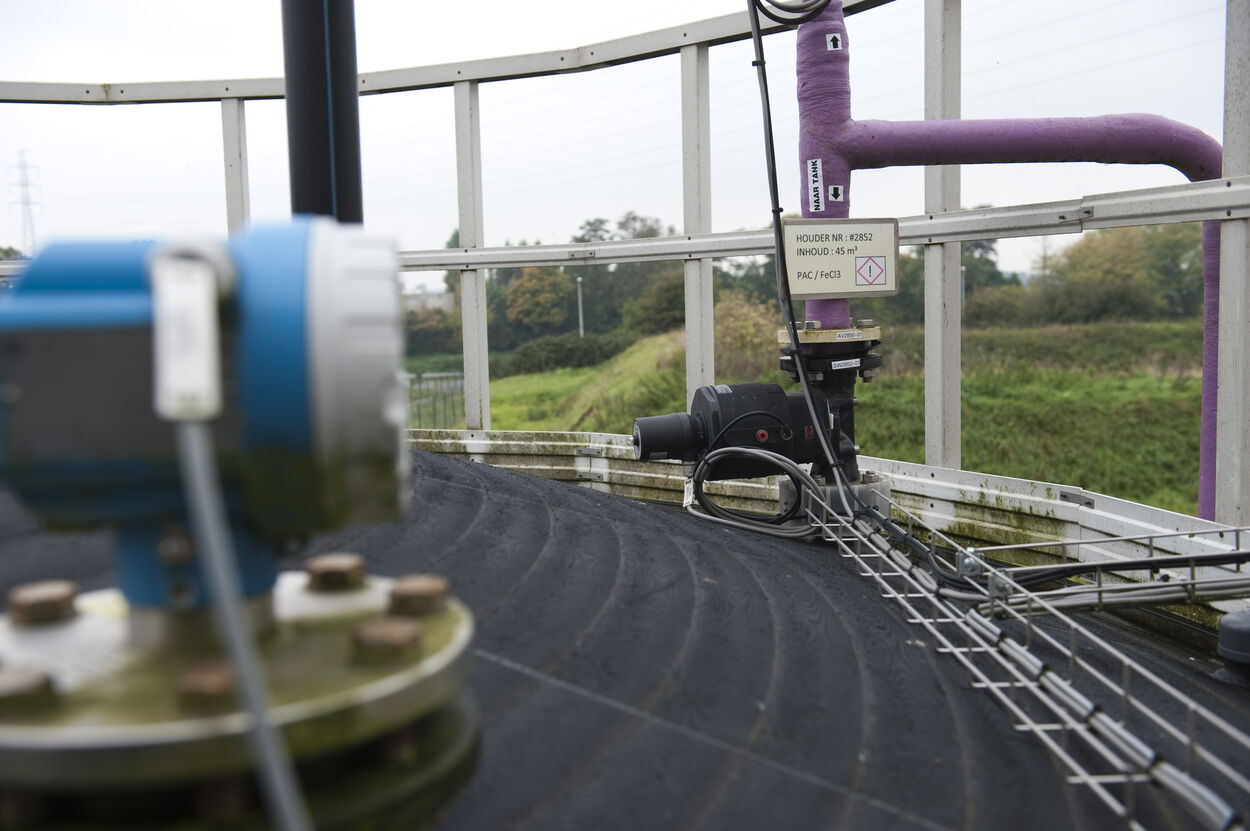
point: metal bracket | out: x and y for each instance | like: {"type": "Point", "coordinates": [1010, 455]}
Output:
{"type": "Point", "coordinates": [1077, 216]}
{"type": "Point", "coordinates": [970, 563]}
{"type": "Point", "coordinates": [1077, 498]}
{"type": "Point", "coordinates": [589, 451]}
{"type": "Point", "coordinates": [999, 586]}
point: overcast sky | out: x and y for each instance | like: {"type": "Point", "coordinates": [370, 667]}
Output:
{"type": "Point", "coordinates": [560, 150]}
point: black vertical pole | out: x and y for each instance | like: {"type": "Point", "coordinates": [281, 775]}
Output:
{"type": "Point", "coordinates": [322, 108]}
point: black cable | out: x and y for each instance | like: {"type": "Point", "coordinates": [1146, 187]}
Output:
{"type": "Point", "coordinates": [1171, 561]}
{"type": "Point", "coordinates": [704, 467]}
{"type": "Point", "coordinates": [777, 525]}
{"type": "Point", "coordinates": [701, 474]}
{"type": "Point", "coordinates": [910, 542]}
{"type": "Point", "coordinates": [783, 286]}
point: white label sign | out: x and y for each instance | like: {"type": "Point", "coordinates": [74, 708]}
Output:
{"type": "Point", "coordinates": [185, 339]}
{"type": "Point", "coordinates": [815, 186]}
{"type": "Point", "coordinates": [831, 258]}
{"type": "Point", "coordinates": [833, 42]}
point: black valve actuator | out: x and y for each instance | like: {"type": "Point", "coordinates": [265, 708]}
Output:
{"type": "Point", "coordinates": [741, 415]}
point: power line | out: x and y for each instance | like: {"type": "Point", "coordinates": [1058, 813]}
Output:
{"type": "Point", "coordinates": [24, 199]}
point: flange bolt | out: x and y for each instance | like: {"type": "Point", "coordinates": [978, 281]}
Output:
{"type": "Point", "coordinates": [336, 572]}
{"type": "Point", "coordinates": [385, 640]}
{"type": "Point", "coordinates": [417, 595]}
{"type": "Point", "coordinates": [46, 601]}
{"type": "Point", "coordinates": [206, 687]}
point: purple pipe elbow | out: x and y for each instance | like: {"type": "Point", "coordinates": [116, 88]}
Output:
{"type": "Point", "coordinates": [831, 145]}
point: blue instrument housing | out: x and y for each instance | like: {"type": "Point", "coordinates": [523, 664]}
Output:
{"type": "Point", "coordinates": [79, 440]}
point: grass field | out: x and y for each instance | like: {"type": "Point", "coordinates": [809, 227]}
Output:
{"type": "Point", "coordinates": [1109, 407]}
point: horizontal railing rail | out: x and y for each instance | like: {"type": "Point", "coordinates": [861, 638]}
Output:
{"type": "Point", "coordinates": [712, 32]}
{"type": "Point", "coordinates": [1190, 202]}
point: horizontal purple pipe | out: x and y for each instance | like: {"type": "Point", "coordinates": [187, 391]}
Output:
{"type": "Point", "coordinates": [1112, 139]}
{"type": "Point", "coordinates": [828, 134]}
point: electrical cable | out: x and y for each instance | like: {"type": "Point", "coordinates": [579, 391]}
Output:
{"type": "Point", "coordinates": [812, 9]}
{"type": "Point", "coordinates": [211, 533]}
{"type": "Point", "coordinates": [704, 467]}
{"type": "Point", "coordinates": [791, 13]}
{"type": "Point", "coordinates": [802, 479]}
{"type": "Point", "coordinates": [1174, 561]}
{"type": "Point", "coordinates": [709, 460]}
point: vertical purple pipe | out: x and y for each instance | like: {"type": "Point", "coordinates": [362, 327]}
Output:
{"type": "Point", "coordinates": [824, 88]}
{"type": "Point", "coordinates": [831, 145]}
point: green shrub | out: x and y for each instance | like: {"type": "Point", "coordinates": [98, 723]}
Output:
{"type": "Point", "coordinates": [746, 339]}
{"type": "Point", "coordinates": [559, 351]}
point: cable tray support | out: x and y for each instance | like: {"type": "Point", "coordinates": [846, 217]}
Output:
{"type": "Point", "coordinates": [1079, 695]}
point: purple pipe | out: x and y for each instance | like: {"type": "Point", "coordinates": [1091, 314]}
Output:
{"type": "Point", "coordinates": [831, 145]}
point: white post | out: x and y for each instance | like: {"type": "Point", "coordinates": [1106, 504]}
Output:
{"type": "Point", "coordinates": [696, 158]}
{"type": "Point", "coordinates": [1232, 469]}
{"type": "Point", "coordinates": [942, 318]}
{"type": "Point", "coordinates": [581, 328]}
{"type": "Point", "coordinates": [234, 141]}
{"type": "Point", "coordinates": [472, 282]}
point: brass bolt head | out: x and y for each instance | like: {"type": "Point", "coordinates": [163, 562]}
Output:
{"type": "Point", "coordinates": [385, 640]}
{"type": "Point", "coordinates": [23, 689]}
{"type": "Point", "coordinates": [416, 595]}
{"type": "Point", "coordinates": [46, 601]}
{"type": "Point", "coordinates": [205, 687]}
{"type": "Point", "coordinates": [336, 572]}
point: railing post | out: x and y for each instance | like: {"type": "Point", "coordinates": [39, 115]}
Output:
{"type": "Point", "coordinates": [696, 158]}
{"type": "Point", "coordinates": [472, 282]}
{"type": "Point", "coordinates": [942, 280]}
{"type": "Point", "coordinates": [234, 141]}
{"type": "Point", "coordinates": [1232, 471]}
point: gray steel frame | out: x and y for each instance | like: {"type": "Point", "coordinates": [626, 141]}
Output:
{"type": "Point", "coordinates": [942, 276]}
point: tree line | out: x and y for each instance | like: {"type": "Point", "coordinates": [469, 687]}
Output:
{"type": "Point", "coordinates": [1125, 273]}
{"type": "Point", "coordinates": [523, 304]}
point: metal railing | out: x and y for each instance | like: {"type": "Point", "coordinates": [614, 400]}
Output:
{"type": "Point", "coordinates": [1227, 199]}
{"type": "Point", "coordinates": [436, 400]}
